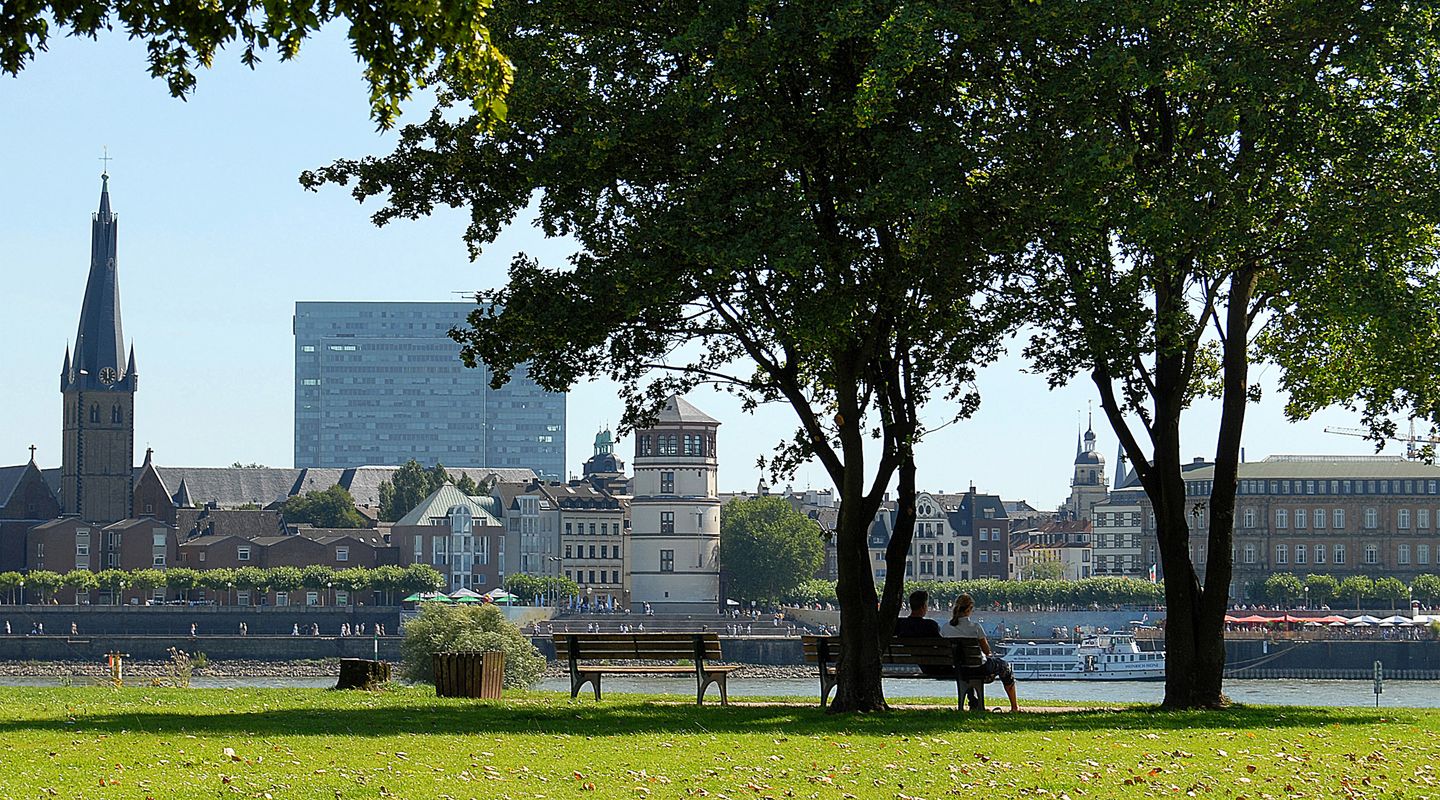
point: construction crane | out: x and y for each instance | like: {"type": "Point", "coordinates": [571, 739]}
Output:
{"type": "Point", "coordinates": [1415, 446]}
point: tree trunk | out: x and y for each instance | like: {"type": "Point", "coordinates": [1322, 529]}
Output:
{"type": "Point", "coordinates": [858, 685]}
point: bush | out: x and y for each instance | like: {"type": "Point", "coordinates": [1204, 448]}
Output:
{"type": "Point", "coordinates": [457, 628]}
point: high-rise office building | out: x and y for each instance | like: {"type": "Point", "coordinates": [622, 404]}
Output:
{"type": "Point", "coordinates": [382, 383]}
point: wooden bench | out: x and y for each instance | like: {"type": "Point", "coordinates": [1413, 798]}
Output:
{"type": "Point", "coordinates": [583, 653]}
{"type": "Point", "coordinates": [962, 658]}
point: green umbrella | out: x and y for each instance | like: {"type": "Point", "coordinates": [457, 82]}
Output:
{"type": "Point", "coordinates": [414, 598]}
{"type": "Point", "coordinates": [465, 599]}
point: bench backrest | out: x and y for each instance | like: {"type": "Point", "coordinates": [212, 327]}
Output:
{"type": "Point", "coordinates": [637, 646]}
{"type": "Point", "coordinates": [931, 651]}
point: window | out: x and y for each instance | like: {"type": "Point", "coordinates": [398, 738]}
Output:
{"type": "Point", "coordinates": [310, 382]}
{"type": "Point", "coordinates": [82, 544]}
{"type": "Point", "coordinates": [1339, 554]}
{"type": "Point", "coordinates": [1372, 519]}
{"type": "Point", "coordinates": [1319, 518]}
{"type": "Point", "coordinates": [645, 445]}
{"type": "Point", "coordinates": [1319, 554]}
{"type": "Point", "coordinates": [616, 550]}
{"type": "Point", "coordinates": [1402, 555]}
{"type": "Point", "coordinates": [1302, 519]}
{"type": "Point", "coordinates": [1282, 518]}
{"type": "Point", "coordinates": [282, 598]}
{"type": "Point", "coordinates": [1301, 551]}
{"type": "Point", "coordinates": [592, 551]}
{"type": "Point", "coordinates": [667, 445]}
{"type": "Point", "coordinates": [667, 521]}
{"type": "Point", "coordinates": [342, 553]}
{"type": "Point", "coordinates": [667, 483]}
{"type": "Point", "coordinates": [1422, 554]}
{"type": "Point", "coordinates": [984, 556]}
{"type": "Point", "coordinates": [94, 413]}
{"type": "Point", "coordinates": [567, 529]}
{"type": "Point", "coordinates": [1249, 517]}
{"type": "Point", "coordinates": [592, 529]}
{"type": "Point", "coordinates": [307, 348]}
{"type": "Point", "coordinates": [1249, 554]}
{"type": "Point", "coordinates": [604, 551]}
{"type": "Point", "coordinates": [242, 553]}
{"type": "Point", "coordinates": [115, 415]}
{"type": "Point", "coordinates": [1282, 554]}
{"type": "Point", "coordinates": [157, 537]}
{"type": "Point", "coordinates": [614, 576]}
{"type": "Point", "coordinates": [1372, 554]}
{"type": "Point", "coordinates": [158, 560]}
{"type": "Point", "coordinates": [1422, 519]}
{"type": "Point", "coordinates": [667, 560]}
{"type": "Point", "coordinates": [1402, 519]}
{"type": "Point", "coordinates": [1337, 518]}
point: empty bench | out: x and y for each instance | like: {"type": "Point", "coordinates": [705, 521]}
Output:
{"type": "Point", "coordinates": [962, 659]}
{"type": "Point", "coordinates": [587, 656]}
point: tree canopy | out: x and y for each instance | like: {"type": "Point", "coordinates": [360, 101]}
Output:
{"type": "Point", "coordinates": [330, 508]}
{"type": "Point", "coordinates": [1218, 184]}
{"type": "Point", "coordinates": [767, 548]}
{"type": "Point", "coordinates": [411, 484]}
{"type": "Point", "coordinates": [399, 45]}
{"type": "Point", "coordinates": [789, 203]}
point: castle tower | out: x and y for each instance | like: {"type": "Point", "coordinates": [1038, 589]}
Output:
{"type": "Point", "coordinates": [98, 387]}
{"type": "Point", "coordinates": [1088, 486]}
{"type": "Point", "coordinates": [675, 513]}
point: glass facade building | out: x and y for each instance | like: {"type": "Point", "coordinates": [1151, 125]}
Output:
{"type": "Point", "coordinates": [382, 383]}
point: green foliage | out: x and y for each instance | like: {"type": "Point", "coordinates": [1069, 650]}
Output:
{"type": "Point", "coordinates": [42, 582]}
{"type": "Point", "coordinates": [147, 580]}
{"type": "Point", "coordinates": [1357, 587]}
{"type": "Point", "coordinates": [217, 580]}
{"type": "Point", "coordinates": [767, 547]}
{"type": "Point", "coordinates": [1042, 570]}
{"type": "Point", "coordinates": [9, 582]}
{"type": "Point", "coordinates": [1283, 588]}
{"type": "Point", "coordinates": [421, 578]}
{"type": "Point", "coordinates": [1425, 588]}
{"type": "Point", "coordinates": [332, 508]}
{"type": "Point", "coordinates": [458, 628]}
{"type": "Point", "coordinates": [353, 580]}
{"type": "Point", "coordinates": [410, 484]}
{"type": "Point", "coordinates": [1390, 589]}
{"type": "Point", "coordinates": [317, 576]}
{"type": "Point", "coordinates": [252, 578]}
{"type": "Point", "coordinates": [399, 45]}
{"type": "Point", "coordinates": [82, 581]}
{"type": "Point", "coordinates": [1106, 592]}
{"type": "Point", "coordinates": [467, 485]}
{"type": "Point", "coordinates": [285, 579]}
{"type": "Point", "coordinates": [535, 587]}
{"type": "Point", "coordinates": [1323, 588]}
{"type": "Point", "coordinates": [113, 581]}
{"type": "Point", "coordinates": [812, 591]}
{"type": "Point", "coordinates": [182, 579]}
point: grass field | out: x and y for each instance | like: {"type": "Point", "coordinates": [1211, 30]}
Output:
{"type": "Point", "coordinates": [405, 743]}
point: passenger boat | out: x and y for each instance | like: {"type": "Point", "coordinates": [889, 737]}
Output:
{"type": "Point", "coordinates": [1098, 657]}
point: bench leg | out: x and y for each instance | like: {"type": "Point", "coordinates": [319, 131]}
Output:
{"type": "Point", "coordinates": [827, 684]}
{"type": "Point", "coordinates": [975, 694]}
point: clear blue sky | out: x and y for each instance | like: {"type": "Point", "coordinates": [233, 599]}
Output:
{"type": "Point", "coordinates": [218, 241]}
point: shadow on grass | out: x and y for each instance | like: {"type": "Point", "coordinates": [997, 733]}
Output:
{"type": "Point", "coordinates": [551, 716]}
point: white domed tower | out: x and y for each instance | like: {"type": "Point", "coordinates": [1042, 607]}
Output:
{"type": "Point", "coordinates": [675, 513]}
{"type": "Point", "coordinates": [1087, 488]}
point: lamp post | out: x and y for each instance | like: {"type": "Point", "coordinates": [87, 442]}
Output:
{"type": "Point", "coordinates": [1307, 597]}
{"type": "Point", "coordinates": [329, 599]}
{"type": "Point", "coordinates": [22, 591]}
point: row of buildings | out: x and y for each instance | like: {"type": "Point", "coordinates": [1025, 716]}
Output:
{"type": "Point", "coordinates": [375, 383]}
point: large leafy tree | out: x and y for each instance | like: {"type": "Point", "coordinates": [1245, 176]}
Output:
{"type": "Point", "coordinates": [331, 508]}
{"type": "Point", "coordinates": [786, 199]}
{"type": "Point", "coordinates": [767, 548]}
{"type": "Point", "coordinates": [410, 484]}
{"type": "Point", "coordinates": [1221, 183]}
{"type": "Point", "coordinates": [399, 44]}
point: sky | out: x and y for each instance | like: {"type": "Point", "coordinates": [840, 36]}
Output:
{"type": "Point", "coordinates": [218, 241]}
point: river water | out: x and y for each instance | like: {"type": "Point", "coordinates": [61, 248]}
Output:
{"type": "Point", "coordinates": [1397, 694]}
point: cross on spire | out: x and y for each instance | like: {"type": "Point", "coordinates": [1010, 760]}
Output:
{"type": "Point", "coordinates": [106, 159]}
{"type": "Point", "coordinates": [32, 453]}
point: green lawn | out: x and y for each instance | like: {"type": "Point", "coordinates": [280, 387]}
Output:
{"type": "Point", "coordinates": [282, 743]}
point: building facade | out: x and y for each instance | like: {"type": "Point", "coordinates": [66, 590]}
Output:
{"type": "Point", "coordinates": [382, 383]}
{"type": "Point", "coordinates": [675, 513]}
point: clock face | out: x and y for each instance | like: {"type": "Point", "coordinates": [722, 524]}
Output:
{"type": "Point", "coordinates": [107, 375]}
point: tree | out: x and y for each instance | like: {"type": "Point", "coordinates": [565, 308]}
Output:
{"type": "Point", "coordinates": [467, 485]}
{"type": "Point", "coordinates": [767, 548]}
{"type": "Point", "coordinates": [398, 44]}
{"type": "Point", "coordinates": [475, 628]}
{"type": "Point", "coordinates": [388, 579]}
{"type": "Point", "coordinates": [352, 581]}
{"type": "Point", "coordinates": [1425, 588]}
{"type": "Point", "coordinates": [1283, 588]}
{"type": "Point", "coordinates": [81, 581]}
{"type": "Point", "coordinates": [1043, 569]}
{"type": "Point", "coordinates": [1357, 586]}
{"type": "Point", "coordinates": [285, 578]}
{"type": "Point", "coordinates": [331, 508]}
{"type": "Point", "coordinates": [43, 583]}
{"type": "Point", "coordinates": [788, 202]}
{"type": "Point", "coordinates": [1218, 183]}
{"type": "Point", "coordinates": [410, 484]}
{"type": "Point", "coordinates": [182, 580]}
{"type": "Point", "coordinates": [1391, 590]}
{"type": "Point", "coordinates": [421, 578]}
{"type": "Point", "coordinates": [218, 581]}
{"type": "Point", "coordinates": [252, 578]}
{"type": "Point", "coordinates": [317, 577]}
{"type": "Point", "coordinates": [526, 587]}
{"type": "Point", "coordinates": [9, 582]}
{"type": "Point", "coordinates": [147, 581]}
{"type": "Point", "coordinates": [1322, 588]}
{"type": "Point", "coordinates": [113, 581]}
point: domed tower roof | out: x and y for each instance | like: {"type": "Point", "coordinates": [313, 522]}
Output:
{"type": "Point", "coordinates": [1085, 451]}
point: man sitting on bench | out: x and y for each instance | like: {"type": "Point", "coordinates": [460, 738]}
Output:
{"type": "Point", "coordinates": [961, 627]}
{"type": "Point", "coordinates": [918, 626]}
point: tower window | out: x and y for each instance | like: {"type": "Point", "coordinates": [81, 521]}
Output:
{"type": "Point", "coordinates": [94, 413]}
{"type": "Point", "coordinates": [115, 415]}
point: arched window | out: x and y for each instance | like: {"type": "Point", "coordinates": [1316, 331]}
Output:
{"type": "Point", "coordinates": [115, 415]}
{"type": "Point", "coordinates": [94, 413]}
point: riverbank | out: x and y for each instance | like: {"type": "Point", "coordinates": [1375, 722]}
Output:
{"type": "Point", "coordinates": [151, 668]}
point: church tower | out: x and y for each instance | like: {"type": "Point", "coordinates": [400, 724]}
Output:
{"type": "Point", "coordinates": [1087, 487]}
{"type": "Point", "coordinates": [98, 386]}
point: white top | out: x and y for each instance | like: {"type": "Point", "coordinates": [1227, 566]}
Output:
{"type": "Point", "coordinates": [964, 628]}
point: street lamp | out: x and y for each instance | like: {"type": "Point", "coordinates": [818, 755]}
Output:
{"type": "Point", "coordinates": [22, 591]}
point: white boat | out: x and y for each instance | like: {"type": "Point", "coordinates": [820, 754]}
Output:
{"type": "Point", "coordinates": [1100, 657]}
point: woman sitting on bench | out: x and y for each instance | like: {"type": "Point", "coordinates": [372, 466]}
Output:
{"type": "Point", "coordinates": [961, 627]}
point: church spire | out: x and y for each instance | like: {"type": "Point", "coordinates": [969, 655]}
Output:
{"type": "Point", "coordinates": [100, 342]}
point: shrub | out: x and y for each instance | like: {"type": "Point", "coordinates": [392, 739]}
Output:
{"type": "Point", "coordinates": [459, 628]}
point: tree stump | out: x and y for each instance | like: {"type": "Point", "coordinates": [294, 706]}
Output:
{"type": "Point", "coordinates": [362, 673]}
